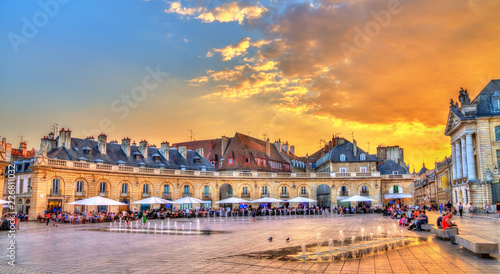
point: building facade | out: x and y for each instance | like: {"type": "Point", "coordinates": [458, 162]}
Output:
{"type": "Point", "coordinates": [474, 130]}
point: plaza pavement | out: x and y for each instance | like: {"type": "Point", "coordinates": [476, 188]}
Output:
{"type": "Point", "coordinates": [76, 249]}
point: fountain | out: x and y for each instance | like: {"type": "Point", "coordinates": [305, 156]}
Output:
{"type": "Point", "coordinates": [371, 236]}
{"type": "Point", "coordinates": [190, 226]}
{"type": "Point", "coordinates": [182, 227]}
{"type": "Point", "coordinates": [175, 225]}
{"type": "Point", "coordinates": [341, 237]}
{"type": "Point", "coordinates": [110, 224]}
{"type": "Point", "coordinates": [379, 232]}
{"type": "Point", "coordinates": [155, 228]}
{"type": "Point", "coordinates": [318, 238]}
{"type": "Point", "coordinates": [161, 226]}
{"type": "Point", "coordinates": [330, 244]}
{"type": "Point", "coordinates": [353, 240]}
{"type": "Point", "coordinates": [168, 223]}
{"type": "Point", "coordinates": [362, 234]}
{"type": "Point", "coordinates": [198, 225]}
{"type": "Point", "coordinates": [389, 235]}
{"type": "Point", "coordinates": [149, 225]}
{"type": "Point", "coordinates": [304, 251]}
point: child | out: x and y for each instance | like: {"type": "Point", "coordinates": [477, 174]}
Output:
{"type": "Point", "coordinates": [403, 221]}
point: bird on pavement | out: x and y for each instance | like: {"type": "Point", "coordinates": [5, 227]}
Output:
{"type": "Point", "coordinates": [270, 239]}
{"type": "Point", "coordinates": [288, 239]}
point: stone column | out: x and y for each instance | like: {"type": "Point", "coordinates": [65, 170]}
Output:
{"type": "Point", "coordinates": [459, 160]}
{"type": "Point", "coordinates": [471, 163]}
{"type": "Point", "coordinates": [464, 158]}
{"type": "Point", "coordinates": [454, 161]}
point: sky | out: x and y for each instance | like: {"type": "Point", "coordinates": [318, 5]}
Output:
{"type": "Point", "coordinates": [379, 71]}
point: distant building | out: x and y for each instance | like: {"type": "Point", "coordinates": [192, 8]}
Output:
{"type": "Point", "coordinates": [474, 130]}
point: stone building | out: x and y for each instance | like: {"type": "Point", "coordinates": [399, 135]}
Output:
{"type": "Point", "coordinates": [474, 130]}
{"type": "Point", "coordinates": [66, 169]}
{"type": "Point", "coordinates": [444, 174]}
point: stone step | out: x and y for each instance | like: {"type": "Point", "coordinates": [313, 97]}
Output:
{"type": "Point", "coordinates": [479, 246]}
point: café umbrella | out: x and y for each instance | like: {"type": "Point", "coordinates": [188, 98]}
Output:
{"type": "Point", "coordinates": [268, 200]}
{"type": "Point", "coordinates": [97, 201]}
{"type": "Point", "coordinates": [188, 200]}
{"type": "Point", "coordinates": [357, 198]}
{"type": "Point", "coordinates": [153, 200]}
{"type": "Point", "coordinates": [301, 200]}
{"type": "Point", "coordinates": [232, 200]}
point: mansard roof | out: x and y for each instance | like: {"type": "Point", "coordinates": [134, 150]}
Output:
{"type": "Point", "coordinates": [115, 154]}
{"type": "Point", "coordinates": [483, 99]}
{"type": "Point", "coordinates": [389, 166]}
{"type": "Point", "coordinates": [347, 150]}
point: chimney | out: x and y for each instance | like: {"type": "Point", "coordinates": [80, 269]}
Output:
{"type": "Point", "coordinates": [277, 144]}
{"type": "Point", "coordinates": [211, 144]}
{"type": "Point", "coordinates": [51, 136]}
{"type": "Point", "coordinates": [23, 147]}
{"type": "Point", "coordinates": [143, 148]}
{"type": "Point", "coordinates": [268, 148]}
{"type": "Point", "coordinates": [164, 150]}
{"type": "Point", "coordinates": [62, 138]}
{"type": "Point", "coordinates": [224, 144]}
{"type": "Point", "coordinates": [90, 138]}
{"type": "Point", "coordinates": [284, 147]}
{"type": "Point", "coordinates": [330, 145]}
{"type": "Point", "coordinates": [126, 146]}
{"type": "Point", "coordinates": [67, 140]}
{"type": "Point", "coordinates": [101, 143]}
{"type": "Point", "coordinates": [292, 150]}
{"type": "Point", "coordinates": [354, 148]}
{"type": "Point", "coordinates": [308, 168]}
{"type": "Point", "coordinates": [50, 142]}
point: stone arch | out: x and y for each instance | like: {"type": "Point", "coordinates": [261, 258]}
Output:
{"type": "Point", "coordinates": [166, 193]}
{"type": "Point", "coordinates": [150, 189]}
{"type": "Point", "coordinates": [307, 192]}
{"type": "Point", "coordinates": [359, 189]}
{"type": "Point", "coordinates": [250, 190]}
{"type": "Point", "coordinates": [341, 191]}
{"type": "Point", "coordinates": [184, 192]}
{"type": "Point", "coordinates": [324, 195]}
{"type": "Point", "coordinates": [107, 189]}
{"type": "Point", "coordinates": [225, 191]}
{"type": "Point", "coordinates": [282, 194]}
{"type": "Point", "coordinates": [261, 190]}
{"type": "Point", "coordinates": [396, 187]}
{"type": "Point", "coordinates": [61, 186]}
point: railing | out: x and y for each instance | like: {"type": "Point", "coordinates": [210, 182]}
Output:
{"type": "Point", "coordinates": [306, 195]}
{"type": "Point", "coordinates": [263, 195]}
{"type": "Point", "coordinates": [146, 194]}
{"type": "Point", "coordinates": [104, 194]}
{"type": "Point", "coordinates": [167, 194]}
{"type": "Point", "coordinates": [245, 195]}
{"type": "Point", "coordinates": [80, 194]}
{"type": "Point", "coordinates": [284, 195]}
{"type": "Point", "coordinates": [206, 196]}
{"type": "Point", "coordinates": [125, 194]}
{"type": "Point", "coordinates": [55, 192]}
{"type": "Point", "coordinates": [130, 169]}
{"type": "Point", "coordinates": [364, 193]}
{"type": "Point", "coordinates": [344, 193]}
{"type": "Point", "coordinates": [185, 194]}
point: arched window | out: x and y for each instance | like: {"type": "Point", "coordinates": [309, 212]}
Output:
{"type": "Point", "coordinates": [303, 191]}
{"type": "Point", "coordinates": [124, 188]}
{"type": "Point", "coordinates": [342, 157]}
{"type": "Point", "coordinates": [55, 186]}
{"type": "Point", "coordinates": [166, 190]}
{"type": "Point", "coordinates": [343, 191]}
{"type": "Point", "coordinates": [497, 134]}
{"type": "Point", "coordinates": [364, 191]}
{"type": "Point", "coordinates": [284, 190]}
{"type": "Point", "coordinates": [186, 190]}
{"type": "Point", "coordinates": [265, 191]}
{"type": "Point", "coordinates": [362, 157]}
{"type": "Point", "coordinates": [79, 186]}
{"type": "Point", "coordinates": [145, 189]}
{"type": "Point", "coordinates": [102, 188]}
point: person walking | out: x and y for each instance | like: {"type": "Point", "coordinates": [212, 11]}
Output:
{"type": "Point", "coordinates": [253, 215]}
{"type": "Point", "coordinates": [471, 210]}
{"type": "Point", "coordinates": [449, 205]}
{"type": "Point", "coordinates": [441, 208]}
{"type": "Point", "coordinates": [460, 209]}
{"type": "Point", "coordinates": [144, 220]}
{"type": "Point", "coordinates": [498, 209]}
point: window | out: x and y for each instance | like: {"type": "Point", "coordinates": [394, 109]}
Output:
{"type": "Point", "coordinates": [497, 134]}
{"type": "Point", "coordinates": [362, 157]}
{"type": "Point", "coordinates": [157, 158]}
{"type": "Point", "coordinates": [342, 170]}
{"type": "Point", "coordinates": [363, 169]}
{"type": "Point", "coordinates": [259, 161]}
{"type": "Point", "coordinates": [498, 158]}
{"type": "Point", "coordinates": [21, 186]}
{"type": "Point", "coordinates": [245, 190]}
{"type": "Point", "coordinates": [79, 186]}
{"type": "Point", "coordinates": [186, 190]}
{"type": "Point", "coordinates": [395, 189]}
{"type": "Point", "coordinates": [124, 188]}
{"type": "Point", "coordinates": [230, 161]}
{"type": "Point", "coordinates": [206, 191]}
{"type": "Point", "coordinates": [364, 190]}
{"type": "Point", "coordinates": [303, 190]}
{"type": "Point", "coordinates": [395, 173]}
{"type": "Point", "coordinates": [343, 191]}
{"type": "Point", "coordinates": [145, 188]}
{"type": "Point", "coordinates": [342, 157]}
{"type": "Point", "coordinates": [102, 187]}
{"type": "Point", "coordinates": [247, 160]}
{"type": "Point", "coordinates": [55, 186]}
{"type": "Point", "coordinates": [264, 191]}
{"type": "Point", "coordinates": [264, 162]}
{"type": "Point", "coordinates": [496, 103]}
{"type": "Point", "coordinates": [138, 157]}
{"type": "Point", "coordinates": [212, 163]}
{"type": "Point", "coordinates": [29, 185]}
{"type": "Point", "coordinates": [166, 190]}
{"type": "Point", "coordinates": [284, 190]}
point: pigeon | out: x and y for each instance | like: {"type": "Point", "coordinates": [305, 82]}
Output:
{"type": "Point", "coordinates": [270, 239]}
{"type": "Point", "coordinates": [288, 239]}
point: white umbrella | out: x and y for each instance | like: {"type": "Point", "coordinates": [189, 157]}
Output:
{"type": "Point", "coordinates": [267, 200]}
{"type": "Point", "coordinates": [232, 200]}
{"type": "Point", "coordinates": [357, 198]}
{"type": "Point", "coordinates": [3, 202]}
{"type": "Point", "coordinates": [153, 200]}
{"type": "Point", "coordinates": [301, 200]}
{"type": "Point", "coordinates": [97, 201]}
{"type": "Point", "coordinates": [189, 200]}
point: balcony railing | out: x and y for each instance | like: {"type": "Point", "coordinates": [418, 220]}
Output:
{"type": "Point", "coordinates": [167, 194]}
{"type": "Point", "coordinates": [305, 195]}
{"type": "Point", "coordinates": [55, 192]}
{"type": "Point", "coordinates": [80, 193]}
{"type": "Point", "coordinates": [206, 196]}
{"type": "Point", "coordinates": [104, 193]}
{"type": "Point", "coordinates": [263, 195]}
{"type": "Point", "coordinates": [343, 193]}
{"type": "Point", "coordinates": [146, 194]}
{"type": "Point", "coordinates": [125, 194]}
{"type": "Point", "coordinates": [284, 195]}
{"type": "Point", "coordinates": [365, 193]}
{"type": "Point", "coordinates": [245, 195]}
{"type": "Point", "coordinates": [185, 194]}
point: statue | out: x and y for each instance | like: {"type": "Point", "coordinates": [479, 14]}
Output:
{"type": "Point", "coordinates": [463, 97]}
{"type": "Point", "coordinates": [451, 103]}
{"type": "Point", "coordinates": [489, 175]}
{"type": "Point", "coordinates": [42, 152]}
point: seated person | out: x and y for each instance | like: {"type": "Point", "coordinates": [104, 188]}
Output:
{"type": "Point", "coordinates": [448, 224]}
{"type": "Point", "coordinates": [403, 221]}
{"type": "Point", "coordinates": [439, 221]}
{"type": "Point", "coordinates": [422, 219]}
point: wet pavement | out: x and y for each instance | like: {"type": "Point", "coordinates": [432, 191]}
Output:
{"type": "Point", "coordinates": [89, 248]}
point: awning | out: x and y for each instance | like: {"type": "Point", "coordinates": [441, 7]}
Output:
{"type": "Point", "coordinates": [397, 196]}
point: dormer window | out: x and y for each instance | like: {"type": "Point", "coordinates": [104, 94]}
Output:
{"type": "Point", "coordinates": [342, 158]}
{"type": "Point", "coordinates": [495, 101]}
{"type": "Point", "coordinates": [197, 160]}
{"type": "Point", "coordinates": [212, 163]}
{"type": "Point", "coordinates": [87, 150]}
{"type": "Point", "coordinates": [362, 157]}
{"type": "Point", "coordinates": [230, 161]}
{"type": "Point", "coordinates": [247, 160]}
